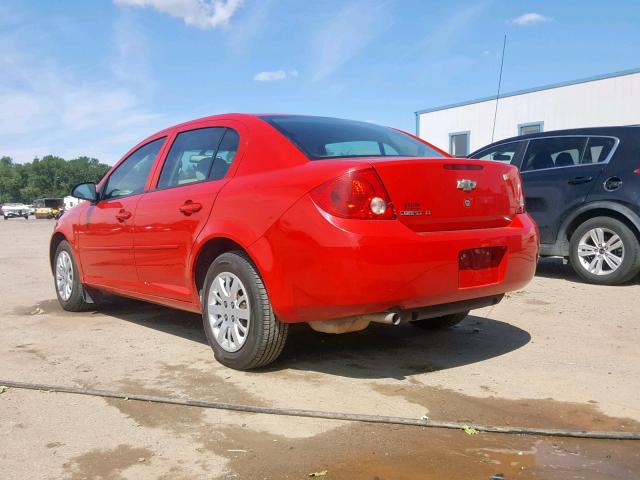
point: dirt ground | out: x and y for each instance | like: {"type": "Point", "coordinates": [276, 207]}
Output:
{"type": "Point", "coordinates": [558, 354]}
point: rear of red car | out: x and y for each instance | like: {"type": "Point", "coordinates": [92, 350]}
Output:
{"type": "Point", "coordinates": [403, 234]}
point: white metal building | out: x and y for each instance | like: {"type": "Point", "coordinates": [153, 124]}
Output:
{"type": "Point", "coordinates": [70, 202]}
{"type": "Point", "coordinates": [462, 128]}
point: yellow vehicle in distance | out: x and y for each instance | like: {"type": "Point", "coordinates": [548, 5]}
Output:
{"type": "Point", "coordinates": [48, 207]}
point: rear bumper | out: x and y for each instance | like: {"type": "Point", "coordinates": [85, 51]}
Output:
{"type": "Point", "coordinates": [319, 267]}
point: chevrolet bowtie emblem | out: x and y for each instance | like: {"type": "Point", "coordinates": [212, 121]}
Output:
{"type": "Point", "coordinates": [466, 184]}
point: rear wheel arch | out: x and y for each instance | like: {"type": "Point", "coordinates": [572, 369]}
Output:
{"type": "Point", "coordinates": [211, 250]}
{"type": "Point", "coordinates": [600, 209]}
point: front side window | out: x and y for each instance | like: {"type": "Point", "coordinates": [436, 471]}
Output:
{"type": "Point", "coordinates": [502, 153]}
{"type": "Point", "coordinates": [598, 149]}
{"type": "Point", "coordinates": [322, 137]}
{"type": "Point", "coordinates": [553, 152]}
{"type": "Point", "coordinates": [459, 144]}
{"type": "Point", "coordinates": [131, 175]}
{"type": "Point", "coordinates": [191, 157]}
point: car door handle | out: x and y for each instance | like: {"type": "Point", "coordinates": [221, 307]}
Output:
{"type": "Point", "coordinates": [123, 215]}
{"type": "Point", "coordinates": [190, 207]}
{"type": "Point", "coordinates": [579, 180]}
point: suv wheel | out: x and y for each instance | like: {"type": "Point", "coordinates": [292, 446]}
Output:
{"type": "Point", "coordinates": [605, 251]}
{"type": "Point", "coordinates": [69, 290]}
{"type": "Point", "coordinates": [238, 319]}
{"type": "Point", "coordinates": [440, 323]}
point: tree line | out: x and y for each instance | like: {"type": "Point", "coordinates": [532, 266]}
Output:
{"type": "Point", "coordinates": [49, 176]}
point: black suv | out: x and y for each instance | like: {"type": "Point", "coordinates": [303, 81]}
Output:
{"type": "Point", "coordinates": [582, 187]}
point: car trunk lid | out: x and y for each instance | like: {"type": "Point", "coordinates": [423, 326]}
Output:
{"type": "Point", "coordinates": [450, 193]}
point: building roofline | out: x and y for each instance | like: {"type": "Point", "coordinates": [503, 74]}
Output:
{"type": "Point", "coordinates": [621, 73]}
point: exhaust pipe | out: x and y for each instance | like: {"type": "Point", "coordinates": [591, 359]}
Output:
{"type": "Point", "coordinates": [387, 318]}
{"type": "Point", "coordinates": [356, 323]}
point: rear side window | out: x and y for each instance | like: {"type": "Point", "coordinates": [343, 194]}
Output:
{"type": "Point", "coordinates": [131, 175]}
{"type": "Point", "coordinates": [191, 157]}
{"type": "Point", "coordinates": [553, 152]}
{"type": "Point", "coordinates": [321, 137]}
{"type": "Point", "coordinates": [598, 149]}
{"type": "Point", "coordinates": [226, 153]}
{"type": "Point", "coordinates": [504, 153]}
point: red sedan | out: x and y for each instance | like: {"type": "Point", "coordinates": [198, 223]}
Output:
{"type": "Point", "coordinates": [260, 221]}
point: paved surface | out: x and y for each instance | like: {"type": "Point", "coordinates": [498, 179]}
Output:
{"type": "Point", "coordinates": [558, 354]}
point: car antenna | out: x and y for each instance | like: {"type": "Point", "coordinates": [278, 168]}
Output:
{"type": "Point", "coordinates": [495, 113]}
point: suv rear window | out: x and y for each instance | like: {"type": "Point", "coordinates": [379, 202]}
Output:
{"type": "Point", "coordinates": [323, 137]}
{"type": "Point", "coordinates": [598, 149]}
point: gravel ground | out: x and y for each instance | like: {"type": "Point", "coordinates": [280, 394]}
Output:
{"type": "Point", "coordinates": [558, 354]}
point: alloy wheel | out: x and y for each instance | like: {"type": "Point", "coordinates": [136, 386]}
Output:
{"type": "Point", "coordinates": [601, 251]}
{"type": "Point", "coordinates": [64, 275]}
{"type": "Point", "coordinates": [229, 311]}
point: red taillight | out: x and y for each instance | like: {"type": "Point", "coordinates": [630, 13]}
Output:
{"type": "Point", "coordinates": [515, 181]}
{"type": "Point", "coordinates": [356, 194]}
{"type": "Point", "coordinates": [637, 170]}
{"type": "Point", "coordinates": [462, 166]}
{"type": "Point", "coordinates": [519, 195]}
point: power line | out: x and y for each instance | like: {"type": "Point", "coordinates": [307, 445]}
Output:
{"type": "Point", "coordinates": [495, 113]}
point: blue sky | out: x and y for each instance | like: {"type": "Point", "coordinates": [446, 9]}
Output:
{"type": "Point", "coordinates": [95, 77]}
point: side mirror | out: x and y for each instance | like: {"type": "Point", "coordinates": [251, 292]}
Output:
{"type": "Point", "coordinates": [85, 191]}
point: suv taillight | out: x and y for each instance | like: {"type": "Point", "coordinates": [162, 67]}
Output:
{"type": "Point", "coordinates": [356, 194]}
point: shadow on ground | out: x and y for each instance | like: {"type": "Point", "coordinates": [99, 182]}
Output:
{"type": "Point", "coordinates": [380, 351]}
{"type": "Point", "coordinates": [383, 351]}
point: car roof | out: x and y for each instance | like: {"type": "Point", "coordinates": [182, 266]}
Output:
{"type": "Point", "coordinates": [605, 131]}
{"type": "Point", "coordinates": [244, 116]}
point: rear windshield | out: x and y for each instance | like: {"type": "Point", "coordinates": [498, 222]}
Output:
{"type": "Point", "coordinates": [322, 137]}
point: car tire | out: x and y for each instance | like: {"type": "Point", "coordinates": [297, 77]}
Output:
{"type": "Point", "coordinates": [66, 280]}
{"type": "Point", "coordinates": [5, 217]}
{"type": "Point", "coordinates": [238, 320]}
{"type": "Point", "coordinates": [597, 235]}
{"type": "Point", "coordinates": [440, 323]}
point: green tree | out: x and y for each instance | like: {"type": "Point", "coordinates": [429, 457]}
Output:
{"type": "Point", "coordinates": [50, 176]}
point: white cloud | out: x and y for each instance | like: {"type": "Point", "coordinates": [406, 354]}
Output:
{"type": "Point", "coordinates": [348, 32]}
{"type": "Point", "coordinates": [275, 75]}
{"type": "Point", "coordinates": [129, 62]}
{"type": "Point", "coordinates": [248, 26]}
{"type": "Point", "coordinates": [204, 14]}
{"type": "Point", "coordinates": [529, 19]}
{"type": "Point", "coordinates": [56, 111]}
{"type": "Point", "coordinates": [446, 34]}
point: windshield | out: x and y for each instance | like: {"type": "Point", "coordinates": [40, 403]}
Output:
{"type": "Point", "coordinates": [323, 137]}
